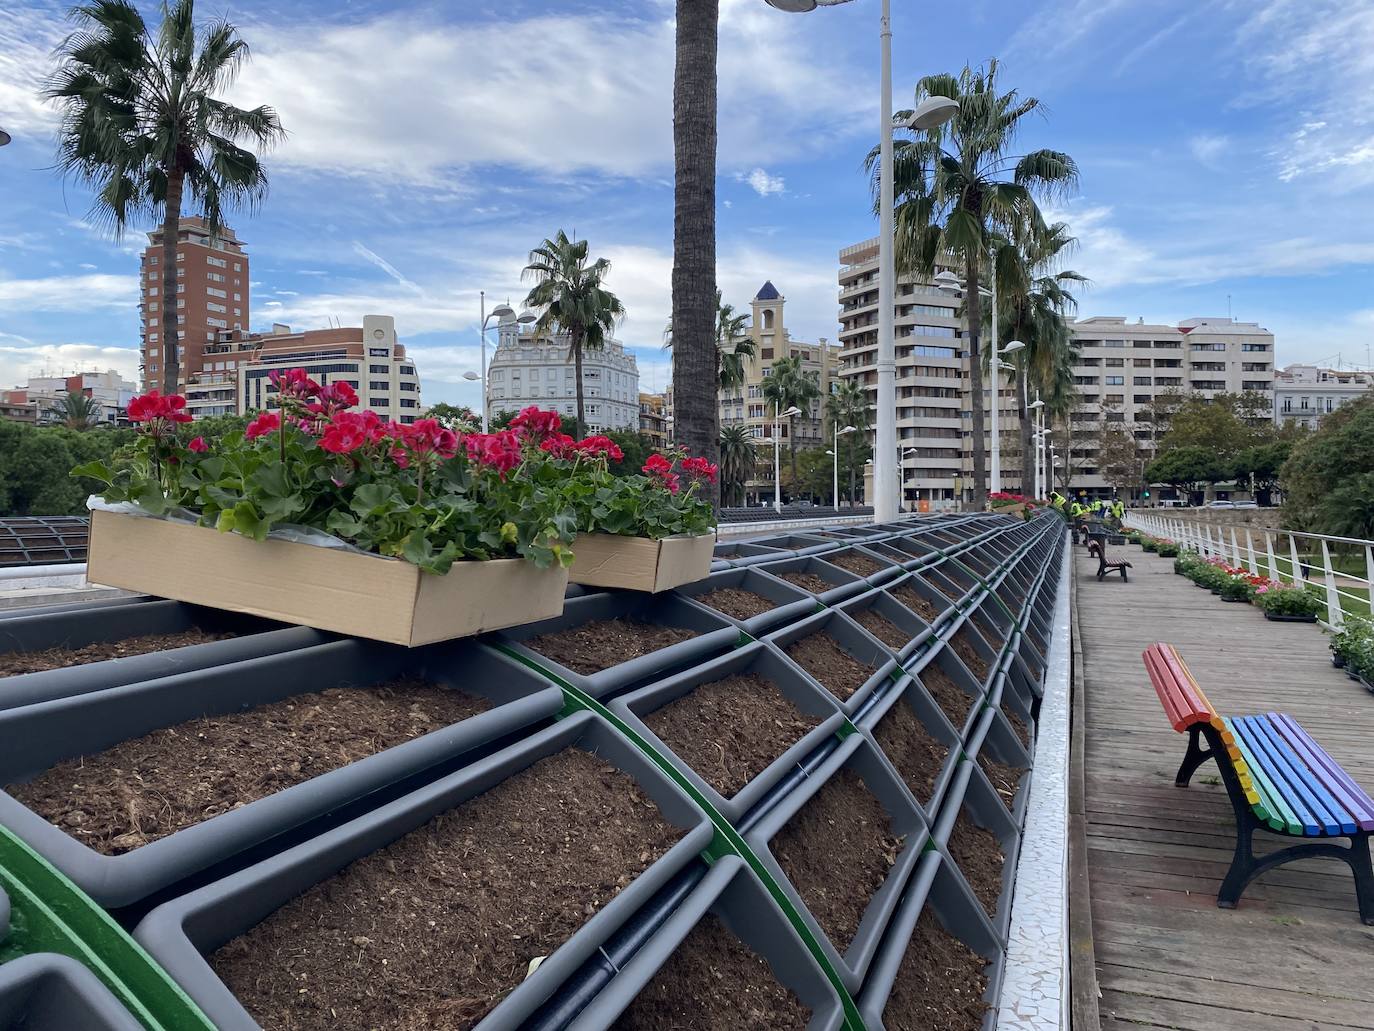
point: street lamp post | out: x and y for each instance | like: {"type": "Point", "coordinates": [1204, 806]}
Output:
{"type": "Point", "coordinates": [4, 137]}
{"type": "Point", "coordinates": [835, 473]}
{"type": "Point", "coordinates": [1038, 406]}
{"type": "Point", "coordinates": [929, 114]}
{"type": "Point", "coordinates": [501, 311]}
{"type": "Point", "coordinates": [777, 452]}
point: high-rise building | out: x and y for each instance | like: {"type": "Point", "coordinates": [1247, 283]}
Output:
{"type": "Point", "coordinates": [746, 405]}
{"type": "Point", "coordinates": [368, 358]}
{"type": "Point", "coordinates": [1303, 394]}
{"type": "Point", "coordinates": [212, 298]}
{"type": "Point", "coordinates": [653, 422]}
{"type": "Point", "coordinates": [531, 368]}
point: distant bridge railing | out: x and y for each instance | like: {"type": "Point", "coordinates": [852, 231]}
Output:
{"type": "Point", "coordinates": [1342, 568]}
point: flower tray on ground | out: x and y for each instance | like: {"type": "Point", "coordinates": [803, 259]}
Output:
{"type": "Point", "coordinates": [539, 851]}
{"type": "Point", "coordinates": [640, 563]}
{"type": "Point", "coordinates": [1289, 619]}
{"type": "Point", "coordinates": [328, 588]}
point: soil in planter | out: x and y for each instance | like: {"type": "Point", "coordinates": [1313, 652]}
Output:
{"type": "Point", "coordinates": [155, 785]}
{"type": "Point", "coordinates": [917, 604]}
{"type": "Point", "coordinates": [603, 643]}
{"type": "Point", "coordinates": [976, 664]}
{"type": "Point", "coordinates": [952, 699]}
{"type": "Point", "coordinates": [834, 668]}
{"type": "Point", "coordinates": [837, 852]}
{"type": "Point", "coordinates": [979, 855]}
{"type": "Point", "coordinates": [736, 602]}
{"type": "Point", "coordinates": [1005, 778]}
{"type": "Point", "coordinates": [881, 627]}
{"type": "Point", "coordinates": [1018, 725]}
{"type": "Point", "coordinates": [730, 729]}
{"type": "Point", "coordinates": [917, 755]}
{"type": "Point", "coordinates": [14, 663]}
{"type": "Point", "coordinates": [714, 981]}
{"type": "Point", "coordinates": [809, 582]}
{"type": "Point", "coordinates": [990, 633]}
{"type": "Point", "coordinates": [438, 927]}
{"type": "Point", "coordinates": [857, 563]}
{"type": "Point", "coordinates": [940, 983]}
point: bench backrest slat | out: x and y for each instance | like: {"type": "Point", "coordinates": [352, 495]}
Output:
{"type": "Point", "coordinates": [1179, 694]}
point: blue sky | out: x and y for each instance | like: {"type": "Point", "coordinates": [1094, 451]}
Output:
{"type": "Point", "coordinates": [1226, 149]}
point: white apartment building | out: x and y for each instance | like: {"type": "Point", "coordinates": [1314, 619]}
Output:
{"type": "Point", "coordinates": [111, 391]}
{"type": "Point", "coordinates": [1305, 393]}
{"type": "Point", "coordinates": [369, 359]}
{"type": "Point", "coordinates": [533, 369]}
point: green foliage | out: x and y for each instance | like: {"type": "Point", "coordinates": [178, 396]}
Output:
{"type": "Point", "coordinates": [788, 386]}
{"type": "Point", "coordinates": [1167, 549]}
{"type": "Point", "coordinates": [1328, 478]}
{"type": "Point", "coordinates": [34, 461]}
{"type": "Point", "coordinates": [815, 470]}
{"type": "Point", "coordinates": [459, 418]}
{"type": "Point", "coordinates": [1289, 600]}
{"type": "Point", "coordinates": [1187, 467]}
{"type": "Point", "coordinates": [638, 505]}
{"type": "Point", "coordinates": [77, 411]}
{"type": "Point", "coordinates": [1226, 424]}
{"type": "Point", "coordinates": [737, 458]}
{"type": "Point", "coordinates": [635, 446]}
{"type": "Point", "coordinates": [733, 344]}
{"type": "Point", "coordinates": [1352, 643]}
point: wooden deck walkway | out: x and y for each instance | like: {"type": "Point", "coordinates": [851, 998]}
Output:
{"type": "Point", "coordinates": [1294, 955]}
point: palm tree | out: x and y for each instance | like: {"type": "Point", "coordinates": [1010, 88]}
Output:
{"type": "Point", "coordinates": [788, 385]}
{"type": "Point", "coordinates": [77, 411]}
{"type": "Point", "coordinates": [733, 343]}
{"type": "Point", "coordinates": [847, 405]}
{"type": "Point", "coordinates": [952, 201]}
{"type": "Point", "coordinates": [143, 127]}
{"type": "Point", "coordinates": [696, 414]}
{"type": "Point", "coordinates": [573, 300]}
{"type": "Point", "coordinates": [736, 463]}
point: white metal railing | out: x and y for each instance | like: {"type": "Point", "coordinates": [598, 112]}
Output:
{"type": "Point", "coordinates": [1286, 555]}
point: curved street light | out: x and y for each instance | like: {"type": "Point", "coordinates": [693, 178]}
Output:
{"type": "Point", "coordinates": [4, 137]}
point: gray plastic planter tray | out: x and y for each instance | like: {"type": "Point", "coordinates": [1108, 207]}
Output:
{"type": "Point", "coordinates": [887, 549]}
{"type": "Point", "coordinates": [756, 658]}
{"type": "Point", "coordinates": [911, 694]}
{"type": "Point", "coordinates": [966, 578]}
{"type": "Point", "coordinates": [917, 548]}
{"type": "Point", "coordinates": [792, 602]}
{"type": "Point", "coordinates": [48, 992]}
{"type": "Point", "coordinates": [796, 543]}
{"type": "Point", "coordinates": [180, 933]}
{"type": "Point", "coordinates": [861, 755]}
{"type": "Point", "coordinates": [739, 900]}
{"type": "Point", "coordinates": [714, 634]}
{"type": "Point", "coordinates": [924, 589]}
{"type": "Point", "coordinates": [73, 606]}
{"type": "Point", "coordinates": [1005, 695]}
{"type": "Point", "coordinates": [743, 553]}
{"type": "Point", "coordinates": [913, 626]}
{"type": "Point", "coordinates": [4, 915]}
{"type": "Point", "coordinates": [995, 738]}
{"type": "Point", "coordinates": [991, 621]}
{"type": "Point", "coordinates": [890, 570]}
{"type": "Point", "coordinates": [937, 887]}
{"type": "Point", "coordinates": [851, 638]}
{"type": "Point", "coordinates": [944, 659]}
{"type": "Point", "coordinates": [938, 578]}
{"type": "Point", "coordinates": [967, 630]}
{"type": "Point", "coordinates": [844, 584]}
{"type": "Point", "coordinates": [40, 736]}
{"type": "Point", "coordinates": [972, 795]}
{"type": "Point", "coordinates": [90, 624]}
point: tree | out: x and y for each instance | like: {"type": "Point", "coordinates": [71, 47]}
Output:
{"type": "Point", "coordinates": [789, 385]}
{"type": "Point", "coordinates": [737, 457]}
{"type": "Point", "coordinates": [572, 298]}
{"type": "Point", "coordinates": [733, 344]}
{"type": "Point", "coordinates": [76, 410]}
{"type": "Point", "coordinates": [143, 127]}
{"type": "Point", "coordinates": [1187, 468]}
{"type": "Point", "coordinates": [696, 415]}
{"type": "Point", "coordinates": [812, 477]}
{"type": "Point", "coordinates": [1226, 423]}
{"type": "Point", "coordinates": [1118, 458]}
{"type": "Point", "coordinates": [847, 405]}
{"type": "Point", "coordinates": [1259, 466]}
{"type": "Point", "coordinates": [636, 448]}
{"type": "Point", "coordinates": [952, 202]}
{"type": "Point", "coordinates": [455, 417]}
{"type": "Point", "coordinates": [1330, 468]}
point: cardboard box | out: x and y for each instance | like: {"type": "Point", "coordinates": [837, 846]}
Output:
{"type": "Point", "coordinates": [383, 599]}
{"type": "Point", "coordinates": [640, 563]}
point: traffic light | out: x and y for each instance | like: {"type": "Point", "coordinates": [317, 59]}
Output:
{"type": "Point", "coordinates": [1147, 494]}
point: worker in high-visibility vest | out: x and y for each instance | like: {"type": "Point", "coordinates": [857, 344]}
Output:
{"type": "Point", "coordinates": [1119, 509]}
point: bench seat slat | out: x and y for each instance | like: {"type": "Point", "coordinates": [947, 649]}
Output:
{"type": "Point", "coordinates": [1350, 795]}
{"type": "Point", "coordinates": [1309, 808]}
{"type": "Point", "coordinates": [1271, 806]}
{"type": "Point", "coordinates": [1336, 819]}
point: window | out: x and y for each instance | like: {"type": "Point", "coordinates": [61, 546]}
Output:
{"type": "Point", "coordinates": [1209, 347]}
{"type": "Point", "coordinates": [931, 351]}
{"type": "Point", "coordinates": [591, 409]}
{"type": "Point", "coordinates": [1141, 361]}
{"type": "Point", "coordinates": [378, 384]}
{"type": "Point", "coordinates": [551, 375]}
{"type": "Point", "coordinates": [152, 291]}
{"type": "Point", "coordinates": [1113, 399]}
{"type": "Point", "coordinates": [153, 321]}
{"type": "Point", "coordinates": [1115, 381]}
{"type": "Point", "coordinates": [377, 402]}
{"type": "Point", "coordinates": [1113, 343]}
{"type": "Point", "coordinates": [152, 259]}
{"type": "Point", "coordinates": [211, 306]}
{"type": "Point", "coordinates": [1141, 381]}
{"type": "Point", "coordinates": [152, 352]}
{"type": "Point", "coordinates": [1254, 347]}
{"type": "Point", "coordinates": [412, 387]}
{"type": "Point", "coordinates": [1116, 363]}
{"type": "Point", "coordinates": [407, 370]}
{"type": "Point", "coordinates": [1254, 366]}
{"type": "Point", "coordinates": [217, 323]}
{"type": "Point", "coordinates": [932, 331]}
{"type": "Point", "coordinates": [217, 262]}
{"type": "Point", "coordinates": [1142, 399]}
{"type": "Point", "coordinates": [215, 277]}
{"type": "Point", "coordinates": [1140, 343]}
{"type": "Point", "coordinates": [212, 292]}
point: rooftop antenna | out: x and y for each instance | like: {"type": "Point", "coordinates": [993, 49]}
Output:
{"type": "Point", "coordinates": [1228, 306]}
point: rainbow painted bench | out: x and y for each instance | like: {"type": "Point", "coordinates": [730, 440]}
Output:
{"type": "Point", "coordinates": [1278, 778]}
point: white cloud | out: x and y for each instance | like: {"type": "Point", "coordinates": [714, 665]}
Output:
{"type": "Point", "coordinates": [70, 293]}
{"type": "Point", "coordinates": [385, 266]}
{"type": "Point", "coordinates": [1209, 150]}
{"type": "Point", "coordinates": [19, 361]}
{"type": "Point", "coordinates": [27, 38]}
{"type": "Point", "coordinates": [762, 183]}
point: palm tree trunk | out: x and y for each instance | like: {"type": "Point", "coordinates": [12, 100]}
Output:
{"type": "Point", "coordinates": [974, 306]}
{"type": "Point", "coordinates": [695, 360]}
{"type": "Point", "coordinates": [576, 341]}
{"type": "Point", "coordinates": [170, 335]}
{"type": "Point", "coordinates": [1027, 452]}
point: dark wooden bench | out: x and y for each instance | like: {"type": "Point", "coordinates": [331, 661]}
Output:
{"type": "Point", "coordinates": [1279, 781]}
{"type": "Point", "coordinates": [1098, 548]}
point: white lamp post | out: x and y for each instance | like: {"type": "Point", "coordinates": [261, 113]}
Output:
{"type": "Point", "coordinates": [501, 311]}
{"type": "Point", "coordinates": [777, 452]}
{"type": "Point", "coordinates": [1037, 406]}
{"type": "Point", "coordinates": [835, 474]}
{"type": "Point", "coordinates": [4, 137]}
{"type": "Point", "coordinates": [929, 114]}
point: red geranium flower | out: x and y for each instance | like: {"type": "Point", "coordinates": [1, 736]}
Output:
{"type": "Point", "coordinates": [700, 467]}
{"type": "Point", "coordinates": [536, 423]}
{"type": "Point", "coordinates": [657, 465]}
{"type": "Point", "coordinates": [559, 445]}
{"type": "Point", "coordinates": [197, 445]}
{"type": "Point", "coordinates": [348, 431]}
{"type": "Point", "coordinates": [153, 406]}
{"type": "Point", "coordinates": [499, 451]}
{"type": "Point", "coordinates": [599, 446]}
{"type": "Point", "coordinates": [265, 423]}
{"type": "Point", "coordinates": [426, 437]}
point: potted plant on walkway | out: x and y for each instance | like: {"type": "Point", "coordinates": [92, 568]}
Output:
{"type": "Point", "coordinates": [331, 518]}
{"type": "Point", "coordinates": [650, 531]}
{"type": "Point", "coordinates": [1287, 603]}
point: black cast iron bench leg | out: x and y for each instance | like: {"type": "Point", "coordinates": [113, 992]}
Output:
{"type": "Point", "coordinates": [1193, 758]}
